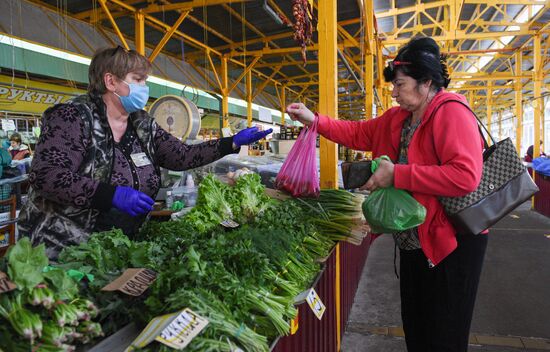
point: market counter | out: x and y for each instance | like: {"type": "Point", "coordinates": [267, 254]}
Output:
{"type": "Point", "coordinates": [337, 283]}
{"type": "Point", "coordinates": [542, 197]}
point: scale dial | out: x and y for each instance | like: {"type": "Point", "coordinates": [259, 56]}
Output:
{"type": "Point", "coordinates": [177, 115]}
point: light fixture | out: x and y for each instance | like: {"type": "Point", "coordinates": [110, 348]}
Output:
{"type": "Point", "coordinates": [272, 13]}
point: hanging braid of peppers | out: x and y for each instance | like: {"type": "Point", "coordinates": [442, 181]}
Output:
{"type": "Point", "coordinates": [304, 25]}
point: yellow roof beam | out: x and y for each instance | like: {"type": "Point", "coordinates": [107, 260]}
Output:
{"type": "Point", "coordinates": [505, 2]}
{"type": "Point", "coordinates": [409, 9]}
{"type": "Point", "coordinates": [245, 71]}
{"type": "Point", "coordinates": [261, 87]}
{"type": "Point", "coordinates": [280, 51]}
{"type": "Point", "coordinates": [488, 77]}
{"type": "Point", "coordinates": [312, 83]}
{"type": "Point", "coordinates": [257, 31]}
{"type": "Point", "coordinates": [283, 63]}
{"type": "Point", "coordinates": [467, 88]}
{"type": "Point", "coordinates": [187, 5]}
{"type": "Point", "coordinates": [113, 23]}
{"type": "Point", "coordinates": [94, 14]}
{"type": "Point", "coordinates": [167, 36]}
{"type": "Point", "coordinates": [462, 35]}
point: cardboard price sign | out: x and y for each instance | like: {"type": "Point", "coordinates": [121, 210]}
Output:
{"type": "Point", "coordinates": [5, 284]}
{"type": "Point", "coordinates": [315, 304]}
{"type": "Point", "coordinates": [229, 224]}
{"type": "Point", "coordinates": [182, 329]}
{"type": "Point", "coordinates": [132, 282]}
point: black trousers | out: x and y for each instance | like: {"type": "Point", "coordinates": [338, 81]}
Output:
{"type": "Point", "coordinates": [437, 303]}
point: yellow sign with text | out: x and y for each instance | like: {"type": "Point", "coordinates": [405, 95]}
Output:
{"type": "Point", "coordinates": [28, 96]}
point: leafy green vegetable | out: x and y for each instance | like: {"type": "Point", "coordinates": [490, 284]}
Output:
{"type": "Point", "coordinates": [26, 264]}
{"type": "Point", "coordinates": [249, 198]}
{"type": "Point", "coordinates": [213, 204]}
{"type": "Point", "coordinates": [62, 283]}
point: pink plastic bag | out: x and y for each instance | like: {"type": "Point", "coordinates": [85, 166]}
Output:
{"type": "Point", "coordinates": [298, 175]}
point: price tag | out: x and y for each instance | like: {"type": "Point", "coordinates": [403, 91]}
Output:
{"type": "Point", "coordinates": [315, 304]}
{"type": "Point", "coordinates": [8, 125]}
{"type": "Point", "coordinates": [294, 324]}
{"type": "Point", "coordinates": [229, 224]}
{"type": "Point", "coordinates": [182, 329]}
{"type": "Point", "coordinates": [132, 282]}
{"type": "Point", "coordinates": [5, 284]}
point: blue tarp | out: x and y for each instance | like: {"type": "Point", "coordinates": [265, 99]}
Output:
{"type": "Point", "coordinates": [542, 165]}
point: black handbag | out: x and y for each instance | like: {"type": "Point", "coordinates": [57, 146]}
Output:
{"type": "Point", "coordinates": [355, 173]}
{"type": "Point", "coordinates": [505, 184]}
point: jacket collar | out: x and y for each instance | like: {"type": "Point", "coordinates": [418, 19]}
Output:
{"type": "Point", "coordinates": [401, 115]}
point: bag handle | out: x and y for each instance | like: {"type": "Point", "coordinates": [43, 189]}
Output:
{"type": "Point", "coordinates": [479, 123]}
{"type": "Point", "coordinates": [374, 164]}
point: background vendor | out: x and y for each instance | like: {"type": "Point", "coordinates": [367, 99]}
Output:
{"type": "Point", "coordinates": [17, 149]}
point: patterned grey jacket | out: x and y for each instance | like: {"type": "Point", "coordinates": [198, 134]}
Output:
{"type": "Point", "coordinates": [72, 178]}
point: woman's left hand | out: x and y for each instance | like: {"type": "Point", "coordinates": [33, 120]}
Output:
{"type": "Point", "coordinates": [382, 178]}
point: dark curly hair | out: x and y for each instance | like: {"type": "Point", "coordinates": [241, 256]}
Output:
{"type": "Point", "coordinates": [424, 63]}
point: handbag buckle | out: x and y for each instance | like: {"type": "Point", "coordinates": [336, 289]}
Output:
{"type": "Point", "coordinates": [491, 187]}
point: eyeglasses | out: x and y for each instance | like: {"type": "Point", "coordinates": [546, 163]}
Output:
{"type": "Point", "coordinates": [393, 64]}
{"type": "Point", "coordinates": [118, 48]}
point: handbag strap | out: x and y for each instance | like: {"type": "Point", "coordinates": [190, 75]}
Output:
{"type": "Point", "coordinates": [479, 123]}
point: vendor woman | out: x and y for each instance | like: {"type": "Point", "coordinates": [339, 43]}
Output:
{"type": "Point", "coordinates": [97, 163]}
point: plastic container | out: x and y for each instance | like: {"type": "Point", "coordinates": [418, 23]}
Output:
{"type": "Point", "coordinates": [189, 182]}
{"type": "Point", "coordinates": [189, 196]}
{"type": "Point", "coordinates": [169, 200]}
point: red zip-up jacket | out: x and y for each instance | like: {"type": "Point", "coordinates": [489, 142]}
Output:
{"type": "Point", "coordinates": [445, 159]}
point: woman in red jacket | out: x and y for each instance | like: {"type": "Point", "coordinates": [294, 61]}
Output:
{"type": "Point", "coordinates": [434, 143]}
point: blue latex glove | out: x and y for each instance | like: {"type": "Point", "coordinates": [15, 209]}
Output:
{"type": "Point", "coordinates": [133, 202]}
{"type": "Point", "coordinates": [250, 135]}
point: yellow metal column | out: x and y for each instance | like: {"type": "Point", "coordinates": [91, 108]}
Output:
{"type": "Point", "coordinates": [283, 104]}
{"type": "Point", "coordinates": [369, 57]}
{"type": "Point", "coordinates": [387, 97]}
{"type": "Point", "coordinates": [328, 87]}
{"type": "Point", "coordinates": [225, 93]}
{"type": "Point", "coordinates": [471, 99]}
{"type": "Point", "coordinates": [328, 105]}
{"type": "Point", "coordinates": [538, 99]}
{"type": "Point", "coordinates": [249, 98]}
{"type": "Point", "coordinates": [519, 105]}
{"type": "Point", "coordinates": [380, 78]}
{"type": "Point", "coordinates": [489, 108]}
{"type": "Point", "coordinates": [369, 85]}
{"type": "Point", "coordinates": [500, 125]}
{"type": "Point", "coordinates": [140, 32]}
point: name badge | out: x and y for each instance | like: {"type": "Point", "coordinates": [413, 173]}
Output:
{"type": "Point", "coordinates": [140, 159]}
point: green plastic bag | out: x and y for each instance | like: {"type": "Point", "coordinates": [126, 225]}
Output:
{"type": "Point", "coordinates": [390, 210]}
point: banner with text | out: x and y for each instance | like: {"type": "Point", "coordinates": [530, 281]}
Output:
{"type": "Point", "coordinates": [29, 96]}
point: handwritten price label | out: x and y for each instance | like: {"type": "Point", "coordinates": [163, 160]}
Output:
{"type": "Point", "coordinates": [182, 329]}
{"type": "Point", "coordinates": [5, 284]}
{"type": "Point", "coordinates": [315, 304]}
{"type": "Point", "coordinates": [132, 282]}
{"type": "Point", "coordinates": [229, 224]}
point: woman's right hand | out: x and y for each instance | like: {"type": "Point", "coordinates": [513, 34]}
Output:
{"type": "Point", "coordinates": [299, 112]}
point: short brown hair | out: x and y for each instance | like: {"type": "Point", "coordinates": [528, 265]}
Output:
{"type": "Point", "coordinates": [117, 61]}
{"type": "Point", "coordinates": [16, 138]}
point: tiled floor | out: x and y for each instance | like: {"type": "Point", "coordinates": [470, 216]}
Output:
{"type": "Point", "coordinates": [513, 304]}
